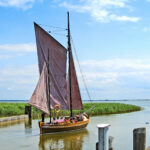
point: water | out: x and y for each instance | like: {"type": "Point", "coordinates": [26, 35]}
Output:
{"type": "Point", "coordinates": [25, 136]}
{"type": "Point", "coordinates": [14, 101]}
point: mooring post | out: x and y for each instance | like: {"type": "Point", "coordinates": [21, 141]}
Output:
{"type": "Point", "coordinates": [139, 139]}
{"type": "Point", "coordinates": [28, 110]}
{"type": "Point", "coordinates": [110, 140]}
{"type": "Point", "coordinates": [102, 137]}
{"type": "Point", "coordinates": [43, 117]}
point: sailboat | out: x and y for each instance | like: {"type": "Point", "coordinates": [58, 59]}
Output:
{"type": "Point", "coordinates": [57, 89]}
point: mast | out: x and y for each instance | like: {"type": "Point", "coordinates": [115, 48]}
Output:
{"type": "Point", "coordinates": [69, 50]}
{"type": "Point", "coordinates": [49, 99]}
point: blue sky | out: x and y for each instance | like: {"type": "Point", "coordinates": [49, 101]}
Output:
{"type": "Point", "coordinates": [112, 39]}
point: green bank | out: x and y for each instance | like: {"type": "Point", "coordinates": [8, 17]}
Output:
{"type": "Point", "coordinates": [11, 109]}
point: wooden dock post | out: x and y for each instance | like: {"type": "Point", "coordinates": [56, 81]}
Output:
{"type": "Point", "coordinates": [110, 140]}
{"type": "Point", "coordinates": [43, 117]}
{"type": "Point", "coordinates": [139, 139]}
{"type": "Point", "coordinates": [28, 110]}
{"type": "Point", "coordinates": [102, 137]}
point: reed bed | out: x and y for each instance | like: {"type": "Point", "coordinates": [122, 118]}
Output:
{"type": "Point", "coordinates": [11, 109]}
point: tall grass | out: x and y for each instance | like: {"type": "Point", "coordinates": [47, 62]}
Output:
{"type": "Point", "coordinates": [110, 108]}
{"type": "Point", "coordinates": [10, 109]}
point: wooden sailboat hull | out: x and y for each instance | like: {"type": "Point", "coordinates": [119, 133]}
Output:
{"type": "Point", "coordinates": [49, 128]}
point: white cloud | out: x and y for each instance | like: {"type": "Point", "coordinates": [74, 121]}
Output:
{"type": "Point", "coordinates": [25, 4]}
{"type": "Point", "coordinates": [16, 77]}
{"type": "Point", "coordinates": [116, 68]}
{"type": "Point", "coordinates": [5, 56]}
{"type": "Point", "coordinates": [124, 18]}
{"type": "Point", "coordinates": [27, 47]}
{"type": "Point", "coordinates": [108, 77]}
{"type": "Point", "coordinates": [30, 70]}
{"type": "Point", "coordinates": [118, 64]}
{"type": "Point", "coordinates": [18, 82]}
{"type": "Point", "coordinates": [102, 10]}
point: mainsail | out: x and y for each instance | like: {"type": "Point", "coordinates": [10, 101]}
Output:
{"type": "Point", "coordinates": [57, 67]}
{"type": "Point", "coordinates": [51, 52]}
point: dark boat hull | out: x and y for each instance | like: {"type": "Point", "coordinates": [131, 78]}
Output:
{"type": "Point", "coordinates": [49, 128]}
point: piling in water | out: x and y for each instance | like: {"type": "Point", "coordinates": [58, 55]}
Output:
{"type": "Point", "coordinates": [102, 137]}
{"type": "Point", "coordinates": [139, 139]}
{"type": "Point", "coordinates": [28, 110]}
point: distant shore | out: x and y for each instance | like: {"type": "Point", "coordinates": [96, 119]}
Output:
{"type": "Point", "coordinates": [11, 109]}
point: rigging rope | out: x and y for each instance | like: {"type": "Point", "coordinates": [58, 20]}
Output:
{"type": "Point", "coordinates": [84, 82]}
{"type": "Point", "coordinates": [56, 33]}
{"type": "Point", "coordinates": [52, 26]}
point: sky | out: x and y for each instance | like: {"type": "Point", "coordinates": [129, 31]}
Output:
{"type": "Point", "coordinates": [111, 37]}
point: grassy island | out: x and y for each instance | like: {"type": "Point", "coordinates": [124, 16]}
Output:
{"type": "Point", "coordinates": [11, 109]}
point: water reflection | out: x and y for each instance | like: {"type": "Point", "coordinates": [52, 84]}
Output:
{"type": "Point", "coordinates": [28, 126]}
{"type": "Point", "coordinates": [63, 141]}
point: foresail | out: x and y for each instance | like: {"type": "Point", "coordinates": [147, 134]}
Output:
{"type": "Point", "coordinates": [57, 65]}
{"type": "Point", "coordinates": [39, 98]}
{"type": "Point", "coordinates": [75, 91]}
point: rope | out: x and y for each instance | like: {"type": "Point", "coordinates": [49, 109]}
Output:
{"type": "Point", "coordinates": [83, 79]}
{"type": "Point", "coordinates": [56, 33]}
{"type": "Point", "coordinates": [53, 26]}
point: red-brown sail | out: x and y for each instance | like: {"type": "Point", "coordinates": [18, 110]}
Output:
{"type": "Point", "coordinates": [57, 72]}
{"type": "Point", "coordinates": [75, 91]}
{"type": "Point", "coordinates": [57, 67]}
{"type": "Point", "coordinates": [39, 98]}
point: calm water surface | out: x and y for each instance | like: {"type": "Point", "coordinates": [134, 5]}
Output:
{"type": "Point", "coordinates": [25, 136]}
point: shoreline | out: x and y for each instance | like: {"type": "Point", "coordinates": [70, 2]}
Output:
{"type": "Point", "coordinates": [16, 109]}
{"type": "Point", "coordinates": [12, 119]}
